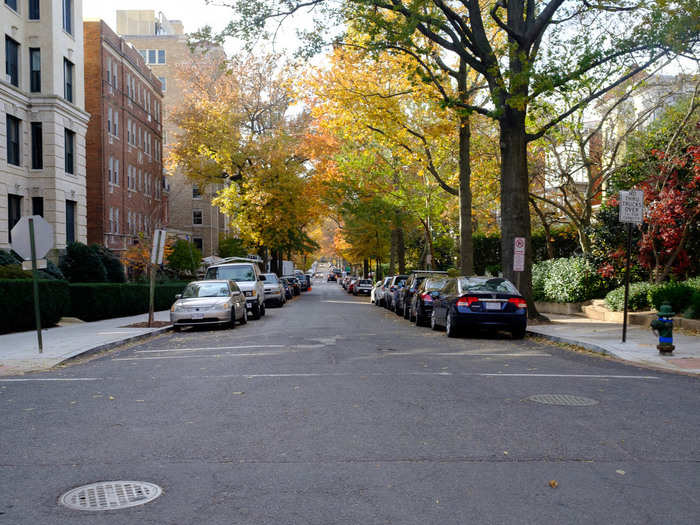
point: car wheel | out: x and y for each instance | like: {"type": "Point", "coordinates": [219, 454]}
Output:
{"type": "Point", "coordinates": [232, 322]}
{"type": "Point", "coordinates": [450, 327]}
{"type": "Point", "coordinates": [176, 328]}
{"type": "Point", "coordinates": [244, 319]}
{"type": "Point", "coordinates": [256, 311]}
{"type": "Point", "coordinates": [418, 320]}
{"type": "Point", "coordinates": [518, 333]}
{"type": "Point", "coordinates": [433, 322]}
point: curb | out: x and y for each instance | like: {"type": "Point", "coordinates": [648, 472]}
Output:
{"type": "Point", "coordinates": [114, 344]}
{"type": "Point", "coordinates": [588, 346]}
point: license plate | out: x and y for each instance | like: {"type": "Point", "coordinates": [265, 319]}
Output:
{"type": "Point", "coordinates": [197, 316]}
{"type": "Point", "coordinates": [493, 306]}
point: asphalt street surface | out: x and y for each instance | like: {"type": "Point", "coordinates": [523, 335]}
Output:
{"type": "Point", "coordinates": [334, 411]}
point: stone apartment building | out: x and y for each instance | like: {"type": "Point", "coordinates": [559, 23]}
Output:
{"type": "Point", "coordinates": [43, 121]}
{"type": "Point", "coordinates": [163, 45]}
{"type": "Point", "coordinates": [124, 141]}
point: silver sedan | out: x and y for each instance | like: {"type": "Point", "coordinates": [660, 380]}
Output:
{"type": "Point", "coordinates": [209, 302]}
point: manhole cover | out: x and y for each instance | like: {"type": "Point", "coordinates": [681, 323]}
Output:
{"type": "Point", "coordinates": [563, 399]}
{"type": "Point", "coordinates": [109, 495]}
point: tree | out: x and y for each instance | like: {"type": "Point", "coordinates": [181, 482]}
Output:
{"type": "Point", "coordinates": [548, 47]}
{"type": "Point", "coordinates": [83, 264]}
{"type": "Point", "coordinates": [185, 258]}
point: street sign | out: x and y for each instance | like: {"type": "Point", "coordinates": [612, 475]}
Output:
{"type": "Point", "coordinates": [519, 254]}
{"type": "Point", "coordinates": [158, 246]}
{"type": "Point", "coordinates": [43, 237]}
{"type": "Point", "coordinates": [632, 206]}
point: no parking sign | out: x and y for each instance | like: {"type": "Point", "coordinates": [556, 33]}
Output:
{"type": "Point", "coordinates": [519, 254]}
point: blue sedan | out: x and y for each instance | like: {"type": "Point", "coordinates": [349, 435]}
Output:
{"type": "Point", "coordinates": [470, 303]}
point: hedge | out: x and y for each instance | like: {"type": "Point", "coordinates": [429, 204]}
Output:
{"type": "Point", "coordinates": [569, 280]}
{"type": "Point", "coordinates": [684, 297]}
{"type": "Point", "coordinates": [17, 303]}
{"type": "Point", "coordinates": [95, 301]}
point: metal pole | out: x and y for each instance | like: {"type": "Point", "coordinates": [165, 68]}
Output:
{"type": "Point", "coordinates": [35, 279]}
{"type": "Point", "coordinates": [627, 281]}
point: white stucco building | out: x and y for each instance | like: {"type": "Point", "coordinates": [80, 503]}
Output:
{"type": "Point", "coordinates": [42, 117]}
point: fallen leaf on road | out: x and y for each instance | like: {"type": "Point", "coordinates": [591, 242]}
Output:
{"type": "Point", "coordinates": [620, 472]}
{"type": "Point", "coordinates": [553, 483]}
{"type": "Point", "coordinates": [505, 452]}
{"type": "Point", "coordinates": [238, 393]}
{"type": "Point", "coordinates": [111, 398]}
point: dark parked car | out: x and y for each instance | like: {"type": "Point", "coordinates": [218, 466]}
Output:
{"type": "Point", "coordinates": [404, 295]}
{"type": "Point", "coordinates": [294, 283]}
{"type": "Point", "coordinates": [479, 302]}
{"type": "Point", "coordinates": [288, 290]}
{"type": "Point", "coordinates": [422, 301]}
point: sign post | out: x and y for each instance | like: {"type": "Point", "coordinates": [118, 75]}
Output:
{"type": "Point", "coordinates": [518, 258]}
{"type": "Point", "coordinates": [157, 251]}
{"type": "Point", "coordinates": [631, 212]}
{"type": "Point", "coordinates": [32, 238]}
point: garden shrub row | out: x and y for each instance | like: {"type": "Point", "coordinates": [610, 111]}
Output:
{"type": "Point", "coordinates": [566, 280]}
{"type": "Point", "coordinates": [17, 303]}
{"type": "Point", "coordinates": [95, 301]}
{"type": "Point", "coordinates": [683, 296]}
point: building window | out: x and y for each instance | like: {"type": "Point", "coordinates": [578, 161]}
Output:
{"type": "Point", "coordinates": [162, 83]}
{"type": "Point", "coordinates": [196, 216]}
{"type": "Point", "coordinates": [34, 10]}
{"type": "Point", "coordinates": [12, 124]}
{"type": "Point", "coordinates": [116, 123]}
{"type": "Point", "coordinates": [109, 120]}
{"type": "Point", "coordinates": [38, 206]}
{"type": "Point", "coordinates": [116, 172]}
{"type": "Point", "coordinates": [161, 56]}
{"type": "Point", "coordinates": [196, 194]}
{"type": "Point", "coordinates": [144, 54]}
{"type": "Point", "coordinates": [37, 146]}
{"type": "Point", "coordinates": [151, 56]}
{"type": "Point", "coordinates": [68, 80]}
{"type": "Point", "coordinates": [116, 220]}
{"type": "Point", "coordinates": [12, 61]}
{"type": "Point", "coordinates": [69, 139]}
{"type": "Point", "coordinates": [70, 221]}
{"type": "Point", "coordinates": [14, 212]}
{"type": "Point", "coordinates": [198, 243]}
{"type": "Point", "coordinates": [12, 4]}
{"type": "Point", "coordinates": [110, 169]}
{"type": "Point", "coordinates": [68, 16]}
{"type": "Point", "coordinates": [34, 69]}
{"type": "Point", "coordinates": [111, 220]}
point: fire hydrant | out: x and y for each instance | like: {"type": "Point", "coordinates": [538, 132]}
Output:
{"type": "Point", "coordinates": [663, 327]}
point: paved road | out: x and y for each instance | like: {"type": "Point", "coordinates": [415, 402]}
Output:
{"type": "Point", "coordinates": [333, 411]}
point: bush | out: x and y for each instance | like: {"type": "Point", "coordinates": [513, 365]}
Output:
{"type": "Point", "coordinates": [572, 280]}
{"type": "Point", "coordinates": [50, 272]}
{"type": "Point", "coordinates": [677, 294]}
{"type": "Point", "coordinates": [14, 271]}
{"type": "Point", "coordinates": [83, 264]}
{"type": "Point", "coordinates": [113, 266]}
{"type": "Point", "coordinates": [185, 258]}
{"type": "Point", "coordinates": [95, 301]}
{"type": "Point", "coordinates": [540, 272]}
{"type": "Point", "coordinates": [693, 309]}
{"type": "Point", "coordinates": [17, 303]}
{"type": "Point", "coordinates": [638, 298]}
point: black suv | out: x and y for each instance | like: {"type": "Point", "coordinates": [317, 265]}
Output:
{"type": "Point", "coordinates": [404, 296]}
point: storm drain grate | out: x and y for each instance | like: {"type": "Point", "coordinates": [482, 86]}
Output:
{"type": "Point", "coordinates": [110, 495]}
{"type": "Point", "coordinates": [563, 400]}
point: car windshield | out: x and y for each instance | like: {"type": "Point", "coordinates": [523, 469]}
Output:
{"type": "Point", "coordinates": [271, 278]}
{"type": "Point", "coordinates": [495, 285]}
{"type": "Point", "coordinates": [432, 285]}
{"type": "Point", "coordinates": [205, 290]}
{"type": "Point", "coordinates": [240, 273]}
{"type": "Point", "coordinates": [365, 281]}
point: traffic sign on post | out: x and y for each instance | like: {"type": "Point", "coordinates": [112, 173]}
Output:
{"type": "Point", "coordinates": [632, 206]}
{"type": "Point", "coordinates": [519, 254]}
{"type": "Point", "coordinates": [43, 237]}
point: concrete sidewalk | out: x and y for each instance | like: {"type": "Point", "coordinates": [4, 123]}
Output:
{"type": "Point", "coordinates": [19, 352]}
{"type": "Point", "coordinates": [606, 338]}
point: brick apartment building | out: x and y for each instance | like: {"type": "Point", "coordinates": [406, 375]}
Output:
{"type": "Point", "coordinates": [125, 187]}
{"type": "Point", "coordinates": [163, 45]}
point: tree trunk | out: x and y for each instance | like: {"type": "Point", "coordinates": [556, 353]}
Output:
{"type": "Point", "coordinates": [392, 252]}
{"type": "Point", "coordinates": [515, 212]}
{"type": "Point", "coordinates": [466, 245]}
{"type": "Point", "coordinates": [400, 244]}
{"type": "Point", "coordinates": [365, 268]}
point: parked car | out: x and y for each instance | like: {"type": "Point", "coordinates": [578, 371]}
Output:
{"type": "Point", "coordinates": [380, 290]}
{"type": "Point", "coordinates": [396, 283]}
{"type": "Point", "coordinates": [422, 300]}
{"type": "Point", "coordinates": [303, 283]}
{"type": "Point", "coordinates": [404, 295]}
{"type": "Point", "coordinates": [247, 275]}
{"type": "Point", "coordinates": [288, 291]}
{"type": "Point", "coordinates": [351, 285]}
{"type": "Point", "coordinates": [331, 277]}
{"type": "Point", "coordinates": [294, 282]}
{"type": "Point", "coordinates": [209, 302]}
{"type": "Point", "coordinates": [363, 287]}
{"type": "Point", "coordinates": [480, 302]}
{"type": "Point", "coordinates": [274, 290]}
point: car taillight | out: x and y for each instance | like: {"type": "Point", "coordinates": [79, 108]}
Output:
{"type": "Point", "coordinates": [518, 302]}
{"type": "Point", "coordinates": [427, 298]}
{"type": "Point", "coordinates": [466, 301]}
{"type": "Point", "coordinates": [393, 288]}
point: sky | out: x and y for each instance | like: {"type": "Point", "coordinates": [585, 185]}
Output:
{"type": "Point", "coordinates": [193, 13]}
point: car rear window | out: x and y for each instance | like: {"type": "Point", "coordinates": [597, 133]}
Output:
{"type": "Point", "coordinates": [434, 284]}
{"type": "Point", "coordinates": [239, 273]}
{"type": "Point", "coordinates": [205, 290]}
{"type": "Point", "coordinates": [271, 277]}
{"type": "Point", "coordinates": [495, 285]}
{"type": "Point", "coordinates": [365, 281]}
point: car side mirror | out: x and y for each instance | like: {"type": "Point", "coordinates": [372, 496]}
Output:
{"type": "Point", "coordinates": [178, 296]}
